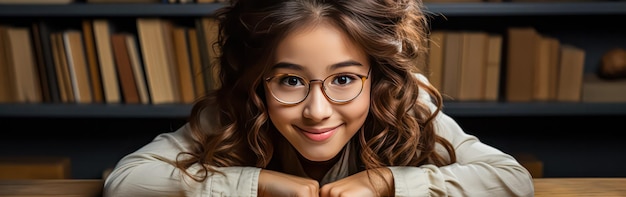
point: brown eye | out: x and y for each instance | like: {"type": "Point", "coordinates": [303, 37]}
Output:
{"type": "Point", "coordinates": [292, 81]}
{"type": "Point", "coordinates": [343, 79]}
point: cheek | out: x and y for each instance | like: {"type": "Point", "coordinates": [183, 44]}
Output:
{"type": "Point", "coordinates": [279, 114]}
{"type": "Point", "coordinates": [358, 109]}
{"type": "Point", "coordinates": [273, 109]}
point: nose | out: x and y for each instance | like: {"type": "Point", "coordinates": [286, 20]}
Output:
{"type": "Point", "coordinates": [317, 107]}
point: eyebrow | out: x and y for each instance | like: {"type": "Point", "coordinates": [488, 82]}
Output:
{"type": "Point", "coordinates": [300, 67]}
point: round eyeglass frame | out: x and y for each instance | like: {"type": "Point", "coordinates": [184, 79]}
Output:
{"type": "Point", "coordinates": [309, 84]}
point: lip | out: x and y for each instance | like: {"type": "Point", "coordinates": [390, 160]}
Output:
{"type": "Point", "coordinates": [318, 135]}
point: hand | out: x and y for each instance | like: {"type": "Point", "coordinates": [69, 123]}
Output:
{"type": "Point", "coordinates": [272, 183]}
{"type": "Point", "coordinates": [359, 184]}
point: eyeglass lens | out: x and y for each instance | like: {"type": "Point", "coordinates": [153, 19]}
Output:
{"type": "Point", "coordinates": [340, 87]}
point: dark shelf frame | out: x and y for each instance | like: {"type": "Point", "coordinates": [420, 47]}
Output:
{"type": "Point", "coordinates": [477, 109]}
{"type": "Point", "coordinates": [94, 111]}
{"type": "Point", "coordinates": [456, 109]}
{"type": "Point", "coordinates": [109, 10]}
{"type": "Point", "coordinates": [529, 8]}
{"type": "Point", "coordinates": [448, 9]}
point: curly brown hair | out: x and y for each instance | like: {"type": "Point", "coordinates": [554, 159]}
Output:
{"type": "Point", "coordinates": [230, 125]}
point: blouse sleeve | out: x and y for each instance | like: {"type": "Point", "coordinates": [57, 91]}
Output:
{"type": "Point", "coordinates": [480, 170]}
{"type": "Point", "coordinates": [147, 172]}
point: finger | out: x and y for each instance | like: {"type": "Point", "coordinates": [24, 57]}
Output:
{"type": "Point", "coordinates": [315, 191]}
{"type": "Point", "coordinates": [331, 189]}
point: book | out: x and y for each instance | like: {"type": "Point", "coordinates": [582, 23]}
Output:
{"type": "Point", "coordinates": [545, 71]}
{"type": "Point", "coordinates": [183, 65]}
{"type": "Point", "coordinates": [434, 73]}
{"type": "Point", "coordinates": [58, 68]}
{"type": "Point", "coordinates": [522, 47]}
{"type": "Point", "coordinates": [60, 65]}
{"type": "Point", "coordinates": [6, 80]}
{"type": "Point", "coordinates": [205, 58]}
{"type": "Point", "coordinates": [110, 82]}
{"type": "Point", "coordinates": [492, 67]}
{"type": "Point", "coordinates": [474, 59]}
{"type": "Point", "coordinates": [77, 66]}
{"type": "Point", "coordinates": [596, 89]}
{"type": "Point", "coordinates": [138, 70]}
{"type": "Point", "coordinates": [152, 41]}
{"type": "Point", "coordinates": [196, 62]}
{"type": "Point", "coordinates": [542, 71]}
{"type": "Point", "coordinates": [20, 59]}
{"type": "Point", "coordinates": [124, 68]}
{"type": "Point", "coordinates": [170, 57]}
{"type": "Point", "coordinates": [453, 56]}
{"type": "Point", "coordinates": [92, 61]}
{"type": "Point", "coordinates": [554, 63]}
{"type": "Point", "coordinates": [46, 89]}
{"type": "Point", "coordinates": [570, 73]}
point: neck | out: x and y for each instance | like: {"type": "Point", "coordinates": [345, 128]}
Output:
{"type": "Point", "coordinates": [317, 169]}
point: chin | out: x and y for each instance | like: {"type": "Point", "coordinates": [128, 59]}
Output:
{"type": "Point", "coordinates": [319, 159]}
{"type": "Point", "coordinates": [317, 156]}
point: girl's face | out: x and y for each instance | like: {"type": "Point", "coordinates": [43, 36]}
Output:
{"type": "Point", "coordinates": [318, 127]}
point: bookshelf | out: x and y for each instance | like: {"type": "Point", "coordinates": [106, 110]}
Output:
{"type": "Point", "coordinates": [469, 13]}
{"type": "Point", "coordinates": [561, 19]}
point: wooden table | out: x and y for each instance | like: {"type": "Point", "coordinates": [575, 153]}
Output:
{"type": "Point", "coordinates": [572, 187]}
{"type": "Point", "coordinates": [51, 188]}
{"type": "Point", "coordinates": [544, 187]}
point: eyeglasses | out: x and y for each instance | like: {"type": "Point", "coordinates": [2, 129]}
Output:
{"type": "Point", "coordinates": [338, 88]}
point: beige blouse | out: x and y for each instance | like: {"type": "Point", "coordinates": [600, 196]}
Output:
{"type": "Point", "coordinates": [481, 170]}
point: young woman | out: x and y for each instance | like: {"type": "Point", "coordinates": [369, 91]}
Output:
{"type": "Point", "coordinates": [320, 98]}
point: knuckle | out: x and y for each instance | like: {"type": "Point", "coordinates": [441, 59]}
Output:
{"type": "Point", "coordinates": [335, 192]}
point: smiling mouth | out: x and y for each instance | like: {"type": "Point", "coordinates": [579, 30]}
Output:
{"type": "Point", "coordinates": [319, 135]}
{"type": "Point", "coordinates": [321, 131]}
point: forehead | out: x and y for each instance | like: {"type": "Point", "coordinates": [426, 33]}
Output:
{"type": "Point", "coordinates": [318, 46]}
